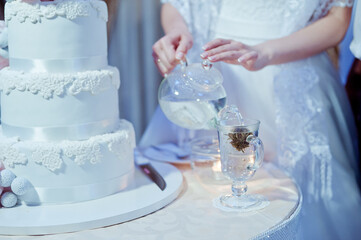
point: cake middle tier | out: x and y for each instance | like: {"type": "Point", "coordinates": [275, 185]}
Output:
{"type": "Point", "coordinates": [72, 171]}
{"type": "Point", "coordinates": [54, 107]}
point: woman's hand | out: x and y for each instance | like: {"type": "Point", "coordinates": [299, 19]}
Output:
{"type": "Point", "coordinates": [250, 57]}
{"type": "Point", "coordinates": [170, 49]}
{"type": "Point", "coordinates": [173, 47]}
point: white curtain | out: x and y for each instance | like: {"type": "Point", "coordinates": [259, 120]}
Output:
{"type": "Point", "coordinates": [135, 27]}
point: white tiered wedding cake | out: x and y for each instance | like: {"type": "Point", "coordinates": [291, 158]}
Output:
{"type": "Point", "coordinates": [59, 103]}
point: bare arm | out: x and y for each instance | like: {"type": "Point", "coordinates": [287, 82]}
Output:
{"type": "Point", "coordinates": [171, 19]}
{"type": "Point", "coordinates": [313, 39]}
{"type": "Point", "coordinates": [176, 42]}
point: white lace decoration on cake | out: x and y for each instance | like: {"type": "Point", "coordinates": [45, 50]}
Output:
{"type": "Point", "coordinates": [50, 158]}
{"type": "Point", "coordinates": [49, 84]}
{"type": "Point", "coordinates": [119, 147]}
{"type": "Point", "coordinates": [51, 155]}
{"type": "Point", "coordinates": [101, 9]}
{"type": "Point", "coordinates": [116, 148]}
{"type": "Point", "coordinates": [83, 151]}
{"type": "Point", "coordinates": [69, 9]}
{"type": "Point", "coordinates": [10, 155]}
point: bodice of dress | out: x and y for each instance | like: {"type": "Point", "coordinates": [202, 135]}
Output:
{"type": "Point", "coordinates": [254, 21]}
{"type": "Point", "coordinates": [259, 20]}
{"type": "Point", "coordinates": [249, 21]}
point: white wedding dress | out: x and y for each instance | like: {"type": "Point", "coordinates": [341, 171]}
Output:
{"type": "Point", "coordinates": [306, 122]}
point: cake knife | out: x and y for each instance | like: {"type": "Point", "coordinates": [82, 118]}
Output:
{"type": "Point", "coordinates": [144, 164]}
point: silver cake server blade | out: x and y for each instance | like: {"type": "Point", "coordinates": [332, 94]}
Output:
{"type": "Point", "coordinates": [144, 164]}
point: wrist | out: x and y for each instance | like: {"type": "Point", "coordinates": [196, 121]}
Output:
{"type": "Point", "coordinates": [266, 53]}
{"type": "Point", "coordinates": [178, 29]}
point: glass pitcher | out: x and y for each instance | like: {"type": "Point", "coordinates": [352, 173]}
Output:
{"type": "Point", "coordinates": [191, 96]}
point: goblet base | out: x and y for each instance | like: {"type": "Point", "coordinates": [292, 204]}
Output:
{"type": "Point", "coordinates": [247, 202]}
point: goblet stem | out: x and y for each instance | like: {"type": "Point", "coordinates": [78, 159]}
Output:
{"type": "Point", "coordinates": [239, 188]}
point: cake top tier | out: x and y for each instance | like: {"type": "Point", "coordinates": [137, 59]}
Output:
{"type": "Point", "coordinates": [35, 10]}
{"type": "Point", "coordinates": [57, 36]}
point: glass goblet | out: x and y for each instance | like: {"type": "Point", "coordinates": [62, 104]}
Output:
{"type": "Point", "coordinates": [242, 154]}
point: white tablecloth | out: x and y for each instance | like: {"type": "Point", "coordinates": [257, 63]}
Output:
{"type": "Point", "coordinates": [192, 215]}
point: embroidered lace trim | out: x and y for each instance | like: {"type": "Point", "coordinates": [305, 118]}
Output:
{"type": "Point", "coordinates": [70, 9]}
{"type": "Point", "coordinates": [51, 155]}
{"type": "Point", "coordinates": [49, 84]}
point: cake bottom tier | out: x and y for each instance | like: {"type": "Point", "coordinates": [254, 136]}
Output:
{"type": "Point", "coordinates": [72, 171]}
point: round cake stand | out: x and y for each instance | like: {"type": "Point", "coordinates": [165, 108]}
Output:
{"type": "Point", "coordinates": [140, 198]}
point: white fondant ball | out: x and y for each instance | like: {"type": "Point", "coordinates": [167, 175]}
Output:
{"type": "Point", "coordinates": [6, 178]}
{"type": "Point", "coordinates": [9, 200]}
{"type": "Point", "coordinates": [20, 186]}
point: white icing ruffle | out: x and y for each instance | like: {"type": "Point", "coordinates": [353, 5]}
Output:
{"type": "Point", "coordinates": [10, 154]}
{"type": "Point", "coordinates": [35, 10]}
{"type": "Point", "coordinates": [51, 155]}
{"type": "Point", "coordinates": [49, 84]}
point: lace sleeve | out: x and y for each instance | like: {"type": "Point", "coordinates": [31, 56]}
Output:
{"type": "Point", "coordinates": [325, 5]}
{"type": "Point", "coordinates": [183, 6]}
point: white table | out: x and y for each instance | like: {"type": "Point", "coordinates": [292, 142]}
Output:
{"type": "Point", "coordinates": [192, 215]}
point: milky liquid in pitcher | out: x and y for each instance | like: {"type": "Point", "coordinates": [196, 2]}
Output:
{"type": "Point", "coordinates": [193, 114]}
